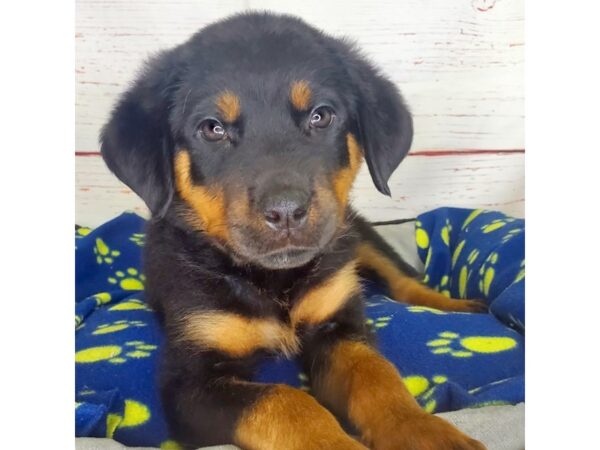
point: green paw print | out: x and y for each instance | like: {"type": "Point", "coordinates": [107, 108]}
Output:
{"type": "Point", "coordinates": [512, 233]}
{"type": "Point", "coordinates": [423, 389]}
{"type": "Point", "coordinates": [133, 280]}
{"type": "Point", "coordinates": [138, 239]}
{"type": "Point", "coordinates": [131, 304]}
{"type": "Point", "coordinates": [115, 354]}
{"type": "Point", "coordinates": [119, 325]}
{"type": "Point", "coordinates": [452, 344]}
{"type": "Point", "coordinates": [103, 252]}
{"type": "Point", "coordinates": [379, 322]}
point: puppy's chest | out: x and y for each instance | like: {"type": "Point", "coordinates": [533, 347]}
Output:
{"type": "Point", "coordinates": [285, 317]}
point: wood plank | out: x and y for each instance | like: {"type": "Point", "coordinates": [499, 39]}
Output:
{"type": "Point", "coordinates": [487, 180]}
{"type": "Point", "coordinates": [459, 64]}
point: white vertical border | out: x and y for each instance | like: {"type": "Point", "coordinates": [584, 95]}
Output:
{"type": "Point", "coordinates": [562, 210]}
{"type": "Point", "coordinates": [36, 234]}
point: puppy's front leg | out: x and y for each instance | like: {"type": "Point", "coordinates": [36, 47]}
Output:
{"type": "Point", "coordinates": [254, 416]}
{"type": "Point", "coordinates": [356, 382]}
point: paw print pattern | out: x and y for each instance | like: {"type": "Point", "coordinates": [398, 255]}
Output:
{"type": "Point", "coordinates": [426, 309]}
{"type": "Point", "coordinates": [452, 344]}
{"type": "Point", "coordinates": [131, 304]}
{"type": "Point", "coordinates": [119, 325]}
{"type": "Point", "coordinates": [79, 323]}
{"type": "Point", "coordinates": [103, 252]}
{"type": "Point", "coordinates": [138, 239]}
{"type": "Point", "coordinates": [496, 224]}
{"type": "Point", "coordinates": [445, 233]}
{"type": "Point", "coordinates": [102, 298]}
{"type": "Point", "coordinates": [423, 389]}
{"type": "Point", "coordinates": [82, 232]}
{"type": "Point", "coordinates": [115, 354]}
{"type": "Point", "coordinates": [133, 280]}
{"type": "Point", "coordinates": [521, 273]}
{"type": "Point", "coordinates": [421, 235]}
{"type": "Point", "coordinates": [487, 273]}
{"type": "Point", "coordinates": [465, 273]}
{"type": "Point", "coordinates": [379, 322]}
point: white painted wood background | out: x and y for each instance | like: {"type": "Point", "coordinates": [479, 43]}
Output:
{"type": "Point", "coordinates": [459, 64]}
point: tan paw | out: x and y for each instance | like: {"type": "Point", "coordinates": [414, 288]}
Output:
{"type": "Point", "coordinates": [473, 306]}
{"type": "Point", "coordinates": [425, 432]}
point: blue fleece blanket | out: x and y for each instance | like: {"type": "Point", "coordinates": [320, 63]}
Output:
{"type": "Point", "coordinates": [448, 360]}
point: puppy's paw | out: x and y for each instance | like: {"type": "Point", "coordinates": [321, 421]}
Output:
{"type": "Point", "coordinates": [473, 306]}
{"type": "Point", "coordinates": [424, 432]}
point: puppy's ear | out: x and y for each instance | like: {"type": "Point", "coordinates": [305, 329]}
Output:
{"type": "Point", "coordinates": [136, 143]}
{"type": "Point", "coordinates": [384, 123]}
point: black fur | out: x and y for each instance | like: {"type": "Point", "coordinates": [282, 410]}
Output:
{"type": "Point", "coordinates": [268, 149]}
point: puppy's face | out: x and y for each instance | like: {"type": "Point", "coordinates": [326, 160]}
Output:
{"type": "Point", "coordinates": [254, 131]}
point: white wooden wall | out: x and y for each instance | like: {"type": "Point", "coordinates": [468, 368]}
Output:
{"type": "Point", "coordinates": [459, 64]}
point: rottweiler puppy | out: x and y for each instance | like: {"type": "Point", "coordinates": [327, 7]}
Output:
{"type": "Point", "coordinates": [244, 143]}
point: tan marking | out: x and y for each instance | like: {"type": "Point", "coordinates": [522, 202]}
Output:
{"type": "Point", "coordinates": [407, 289]}
{"type": "Point", "coordinates": [343, 179]}
{"type": "Point", "coordinates": [324, 300]}
{"type": "Point", "coordinates": [300, 95]}
{"type": "Point", "coordinates": [287, 418]}
{"type": "Point", "coordinates": [236, 335]}
{"type": "Point", "coordinates": [363, 385]}
{"type": "Point", "coordinates": [228, 105]}
{"type": "Point", "coordinates": [208, 204]}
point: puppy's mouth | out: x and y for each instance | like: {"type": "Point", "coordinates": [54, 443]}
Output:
{"type": "Point", "coordinates": [287, 258]}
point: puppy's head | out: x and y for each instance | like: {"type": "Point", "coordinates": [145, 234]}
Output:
{"type": "Point", "coordinates": [253, 131]}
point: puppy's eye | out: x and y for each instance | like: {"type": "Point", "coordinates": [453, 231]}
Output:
{"type": "Point", "coordinates": [321, 117]}
{"type": "Point", "coordinates": [211, 130]}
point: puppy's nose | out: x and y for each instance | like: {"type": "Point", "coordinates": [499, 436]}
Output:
{"type": "Point", "coordinates": [286, 210]}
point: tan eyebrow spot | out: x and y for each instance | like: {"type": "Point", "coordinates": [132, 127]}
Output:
{"type": "Point", "coordinates": [300, 95]}
{"type": "Point", "coordinates": [228, 105]}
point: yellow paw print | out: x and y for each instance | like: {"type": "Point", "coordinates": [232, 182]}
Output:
{"type": "Point", "coordinates": [115, 354]}
{"type": "Point", "coordinates": [379, 322]}
{"type": "Point", "coordinates": [103, 252]}
{"type": "Point", "coordinates": [422, 389]}
{"type": "Point", "coordinates": [130, 281]}
{"type": "Point", "coordinates": [521, 273]}
{"type": "Point", "coordinates": [445, 233]}
{"type": "Point", "coordinates": [471, 217]}
{"type": "Point", "coordinates": [487, 273]}
{"type": "Point", "coordinates": [421, 236]}
{"type": "Point", "coordinates": [131, 304]}
{"type": "Point", "coordinates": [496, 224]}
{"type": "Point", "coordinates": [82, 232]}
{"type": "Point", "coordinates": [134, 415]}
{"type": "Point", "coordinates": [511, 234]}
{"type": "Point", "coordinates": [426, 309]}
{"type": "Point", "coordinates": [119, 325]}
{"type": "Point", "coordinates": [450, 343]}
{"type": "Point", "coordinates": [138, 239]}
{"type": "Point", "coordinates": [102, 298]}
